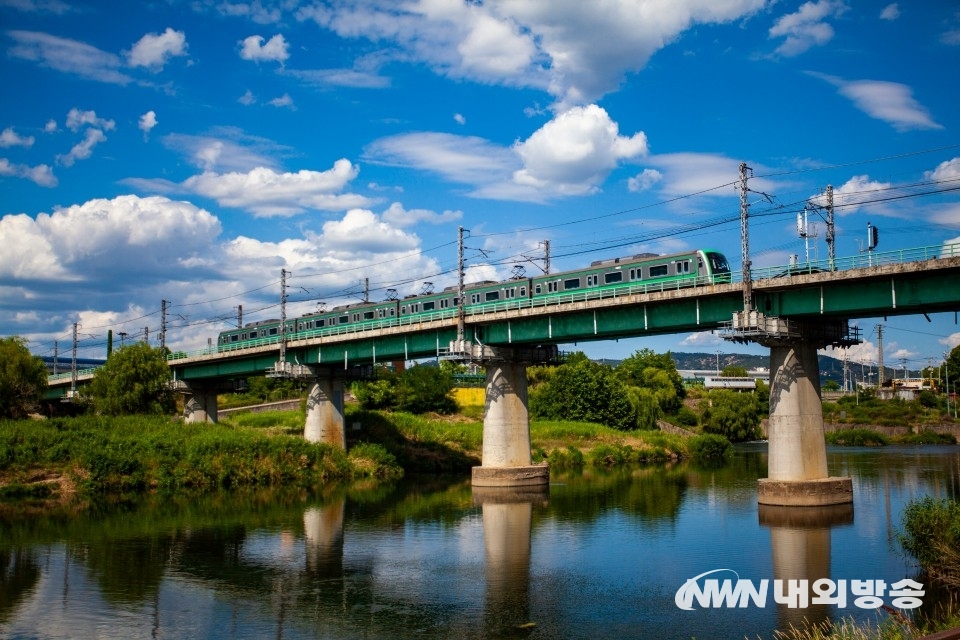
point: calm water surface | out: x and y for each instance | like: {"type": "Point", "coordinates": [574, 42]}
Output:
{"type": "Point", "coordinates": [601, 554]}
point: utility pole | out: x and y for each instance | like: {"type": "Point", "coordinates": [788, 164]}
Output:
{"type": "Point", "coordinates": [73, 365]}
{"type": "Point", "coordinates": [366, 290]}
{"type": "Point", "coordinates": [239, 316]}
{"type": "Point", "coordinates": [546, 257]}
{"type": "Point", "coordinates": [745, 240]}
{"type": "Point", "coordinates": [831, 232]}
{"type": "Point", "coordinates": [880, 354]}
{"type": "Point", "coordinates": [461, 311]}
{"type": "Point", "coordinates": [283, 317]}
{"type": "Point", "coordinates": [718, 361]}
{"type": "Point", "coordinates": [146, 335]}
{"type": "Point", "coordinates": [163, 323]}
{"type": "Point", "coordinates": [56, 349]}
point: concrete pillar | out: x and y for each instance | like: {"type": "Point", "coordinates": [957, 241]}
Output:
{"type": "Point", "coordinates": [324, 421]}
{"type": "Point", "coordinates": [506, 431]}
{"type": "Point", "coordinates": [797, 461]}
{"type": "Point", "coordinates": [200, 405]}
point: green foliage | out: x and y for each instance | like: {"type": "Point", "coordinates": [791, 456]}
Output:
{"type": "Point", "coordinates": [134, 380]}
{"type": "Point", "coordinates": [928, 399]}
{"type": "Point", "coordinates": [731, 414]}
{"type": "Point", "coordinates": [686, 417]}
{"type": "Point", "coordinates": [419, 389]}
{"type": "Point", "coordinates": [874, 411]}
{"type": "Point", "coordinates": [583, 391]}
{"type": "Point", "coordinates": [831, 385]}
{"type": "Point", "coordinates": [373, 460]}
{"type": "Point", "coordinates": [566, 458]}
{"type": "Point", "coordinates": [23, 378]}
{"type": "Point", "coordinates": [856, 438]}
{"type": "Point", "coordinates": [931, 534]}
{"type": "Point", "coordinates": [734, 371]}
{"type": "Point", "coordinates": [645, 407]}
{"type": "Point", "coordinates": [657, 372]}
{"type": "Point", "coordinates": [710, 446]}
{"type": "Point", "coordinates": [927, 436]}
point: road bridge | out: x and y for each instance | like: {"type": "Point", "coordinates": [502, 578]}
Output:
{"type": "Point", "coordinates": [802, 309]}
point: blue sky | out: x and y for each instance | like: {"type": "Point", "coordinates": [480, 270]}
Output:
{"type": "Point", "coordinates": [188, 151]}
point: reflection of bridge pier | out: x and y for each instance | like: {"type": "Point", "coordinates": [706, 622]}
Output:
{"type": "Point", "coordinates": [507, 521]}
{"type": "Point", "coordinates": [797, 469]}
{"type": "Point", "coordinates": [323, 533]}
{"type": "Point", "coordinates": [800, 545]}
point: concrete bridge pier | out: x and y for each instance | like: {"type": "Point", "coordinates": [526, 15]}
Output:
{"type": "Point", "coordinates": [797, 464]}
{"type": "Point", "coordinates": [506, 429]}
{"type": "Point", "coordinates": [324, 422]}
{"type": "Point", "coordinates": [200, 404]}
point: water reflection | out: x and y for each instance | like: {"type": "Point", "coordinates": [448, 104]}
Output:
{"type": "Point", "coordinates": [800, 548]}
{"type": "Point", "coordinates": [507, 519]}
{"type": "Point", "coordinates": [603, 553]}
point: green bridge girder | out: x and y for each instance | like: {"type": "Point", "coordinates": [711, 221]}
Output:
{"type": "Point", "coordinates": [899, 289]}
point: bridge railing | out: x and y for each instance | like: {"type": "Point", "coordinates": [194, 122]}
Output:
{"type": "Point", "coordinates": [55, 377]}
{"type": "Point", "coordinates": [864, 259]}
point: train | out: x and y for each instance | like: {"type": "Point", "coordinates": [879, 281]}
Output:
{"type": "Point", "coordinates": [632, 274]}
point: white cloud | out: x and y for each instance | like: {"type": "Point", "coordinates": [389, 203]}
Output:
{"type": "Point", "coordinates": [77, 119]}
{"type": "Point", "coordinates": [459, 118]}
{"type": "Point", "coordinates": [50, 127]}
{"type": "Point", "coordinates": [283, 101]}
{"type": "Point", "coordinates": [702, 339]}
{"type": "Point", "coordinates": [265, 192]}
{"type": "Point", "coordinates": [68, 56]}
{"type": "Point", "coordinates": [41, 174]}
{"type": "Point", "coordinates": [891, 102]}
{"type": "Point", "coordinates": [890, 12]}
{"type": "Point", "coordinates": [10, 138]}
{"type": "Point", "coordinates": [400, 217]}
{"type": "Point", "coordinates": [247, 98]}
{"type": "Point", "coordinates": [354, 78]}
{"type": "Point", "coordinates": [465, 159]}
{"type": "Point", "coordinates": [706, 174]}
{"type": "Point", "coordinates": [569, 48]}
{"type": "Point", "coordinates": [644, 180]}
{"type": "Point", "coordinates": [952, 341]}
{"type": "Point", "coordinates": [39, 6]}
{"type": "Point", "coordinates": [276, 49]}
{"type": "Point", "coordinates": [951, 37]}
{"type": "Point", "coordinates": [946, 170]}
{"type": "Point", "coordinates": [806, 27]}
{"type": "Point", "coordinates": [148, 121]}
{"type": "Point", "coordinates": [225, 149]}
{"type": "Point", "coordinates": [253, 10]}
{"type": "Point", "coordinates": [854, 194]}
{"type": "Point", "coordinates": [154, 49]}
{"type": "Point", "coordinates": [83, 149]}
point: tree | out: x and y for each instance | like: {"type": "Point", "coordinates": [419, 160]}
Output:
{"type": "Point", "coordinates": [734, 371]}
{"type": "Point", "coordinates": [23, 377]}
{"type": "Point", "coordinates": [584, 391]}
{"type": "Point", "coordinates": [732, 415]}
{"type": "Point", "coordinates": [135, 379]}
{"type": "Point", "coordinates": [657, 372]}
{"type": "Point", "coordinates": [422, 388]}
{"type": "Point", "coordinates": [953, 367]}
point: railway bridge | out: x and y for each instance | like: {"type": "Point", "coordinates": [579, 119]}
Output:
{"type": "Point", "coordinates": [794, 311]}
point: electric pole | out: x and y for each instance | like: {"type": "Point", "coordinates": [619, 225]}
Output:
{"type": "Point", "coordinates": [56, 348]}
{"type": "Point", "coordinates": [744, 239]}
{"type": "Point", "coordinates": [831, 252]}
{"type": "Point", "coordinates": [73, 365]}
{"type": "Point", "coordinates": [239, 316]}
{"type": "Point", "coordinates": [461, 311]}
{"type": "Point", "coordinates": [546, 257]}
{"type": "Point", "coordinates": [283, 317]}
{"type": "Point", "coordinates": [163, 323]}
{"type": "Point", "coordinates": [880, 354]}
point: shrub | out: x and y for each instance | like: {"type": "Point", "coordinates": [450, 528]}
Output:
{"type": "Point", "coordinates": [928, 437]}
{"type": "Point", "coordinates": [857, 438]}
{"type": "Point", "coordinates": [732, 415]}
{"type": "Point", "coordinates": [686, 417]}
{"type": "Point", "coordinates": [931, 534]}
{"type": "Point", "coordinates": [710, 446]}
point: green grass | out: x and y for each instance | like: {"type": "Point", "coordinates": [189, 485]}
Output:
{"type": "Point", "coordinates": [857, 438]}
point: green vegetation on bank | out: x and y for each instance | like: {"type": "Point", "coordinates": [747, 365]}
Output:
{"type": "Point", "coordinates": [931, 534]}
{"type": "Point", "coordinates": [871, 438]}
{"type": "Point", "coordinates": [102, 454]}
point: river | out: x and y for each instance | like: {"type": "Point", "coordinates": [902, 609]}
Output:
{"type": "Point", "coordinates": [600, 554]}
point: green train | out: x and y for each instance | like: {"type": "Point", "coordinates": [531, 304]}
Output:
{"type": "Point", "coordinates": [641, 273]}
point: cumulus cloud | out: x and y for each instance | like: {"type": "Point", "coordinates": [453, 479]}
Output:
{"type": "Point", "coordinates": [570, 155]}
{"type": "Point", "coordinates": [707, 174]}
{"type": "Point", "coordinates": [83, 149]}
{"type": "Point", "coordinates": [891, 102]}
{"type": "Point", "coordinates": [890, 12]}
{"type": "Point", "coordinates": [644, 180]}
{"type": "Point", "coordinates": [104, 238]}
{"type": "Point", "coordinates": [148, 121]}
{"type": "Point", "coordinates": [702, 339]}
{"type": "Point", "coordinates": [225, 149]}
{"type": "Point", "coordinates": [854, 194]}
{"type": "Point", "coordinates": [566, 47]}
{"type": "Point", "coordinates": [946, 170]}
{"type": "Point", "coordinates": [77, 119]}
{"type": "Point", "coordinates": [400, 217]}
{"type": "Point", "coordinates": [806, 27]}
{"type": "Point", "coordinates": [68, 56]}
{"type": "Point", "coordinates": [283, 101]}
{"type": "Point", "coordinates": [10, 138]}
{"type": "Point", "coordinates": [953, 340]}
{"type": "Point", "coordinates": [265, 192]}
{"type": "Point", "coordinates": [50, 127]}
{"type": "Point", "coordinates": [459, 118]}
{"type": "Point", "coordinates": [247, 98]}
{"type": "Point", "coordinates": [276, 49]}
{"type": "Point", "coordinates": [41, 174]}
{"type": "Point", "coordinates": [154, 49]}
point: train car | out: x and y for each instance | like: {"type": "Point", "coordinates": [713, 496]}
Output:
{"type": "Point", "coordinates": [689, 268]}
{"type": "Point", "coordinates": [696, 267]}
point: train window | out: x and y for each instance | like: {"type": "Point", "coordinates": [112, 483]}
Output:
{"type": "Point", "coordinates": [403, 310]}
{"type": "Point", "coordinates": [392, 311]}
{"type": "Point", "coordinates": [553, 286]}
{"type": "Point", "coordinates": [274, 331]}
{"type": "Point", "coordinates": [444, 303]}
{"type": "Point", "coordinates": [537, 290]}
{"type": "Point", "coordinates": [510, 292]}
{"type": "Point", "coordinates": [475, 298]}
{"type": "Point", "coordinates": [234, 338]}
{"type": "Point", "coordinates": [320, 323]}
{"type": "Point", "coordinates": [523, 292]}
{"type": "Point", "coordinates": [492, 296]}
{"type": "Point", "coordinates": [243, 336]}
{"type": "Point", "coordinates": [659, 270]}
{"type": "Point", "coordinates": [592, 280]}
{"type": "Point", "coordinates": [368, 315]}
{"type": "Point", "coordinates": [344, 320]}
{"type": "Point", "coordinates": [429, 306]}
{"type": "Point", "coordinates": [613, 276]}
{"type": "Point", "coordinates": [571, 283]}
{"type": "Point", "coordinates": [683, 266]}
